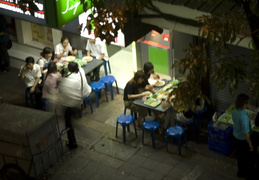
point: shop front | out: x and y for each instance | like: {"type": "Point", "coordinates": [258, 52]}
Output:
{"type": "Point", "coordinates": [30, 34]}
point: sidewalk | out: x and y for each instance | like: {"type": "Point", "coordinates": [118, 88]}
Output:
{"type": "Point", "coordinates": [101, 155]}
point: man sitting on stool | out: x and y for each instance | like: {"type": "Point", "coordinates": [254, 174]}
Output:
{"type": "Point", "coordinates": [30, 73]}
{"type": "Point", "coordinates": [97, 48]}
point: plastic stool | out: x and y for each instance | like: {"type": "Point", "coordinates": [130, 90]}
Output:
{"type": "Point", "coordinates": [97, 86]}
{"type": "Point", "coordinates": [125, 121]}
{"type": "Point", "coordinates": [188, 123]}
{"type": "Point", "coordinates": [135, 114]}
{"type": "Point", "coordinates": [175, 132]}
{"type": "Point", "coordinates": [31, 96]}
{"type": "Point", "coordinates": [198, 115]}
{"type": "Point", "coordinates": [88, 98]}
{"type": "Point", "coordinates": [108, 80]}
{"type": "Point", "coordinates": [152, 126]}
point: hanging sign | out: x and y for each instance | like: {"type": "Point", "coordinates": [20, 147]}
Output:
{"type": "Point", "coordinates": [63, 11]}
{"type": "Point", "coordinates": [11, 8]}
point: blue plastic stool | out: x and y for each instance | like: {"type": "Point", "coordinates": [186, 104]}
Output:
{"type": "Point", "coordinates": [176, 132]}
{"type": "Point", "coordinates": [109, 80]}
{"type": "Point", "coordinates": [198, 115]}
{"type": "Point", "coordinates": [152, 126]}
{"type": "Point", "coordinates": [125, 121]}
{"type": "Point", "coordinates": [97, 86]}
{"type": "Point", "coordinates": [188, 123]}
{"type": "Point", "coordinates": [88, 98]}
{"type": "Point", "coordinates": [29, 96]}
{"type": "Point", "coordinates": [134, 114]}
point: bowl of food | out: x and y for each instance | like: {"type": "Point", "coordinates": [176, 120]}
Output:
{"type": "Point", "coordinates": [159, 83]}
{"type": "Point", "coordinates": [87, 58]}
{"type": "Point", "coordinates": [70, 58]}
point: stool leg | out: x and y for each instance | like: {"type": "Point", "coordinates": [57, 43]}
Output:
{"type": "Point", "coordinates": [116, 129]}
{"type": "Point", "coordinates": [143, 136]}
{"type": "Point", "coordinates": [90, 104]}
{"type": "Point", "coordinates": [105, 90]}
{"type": "Point", "coordinates": [152, 133]}
{"type": "Point", "coordinates": [179, 143]}
{"type": "Point", "coordinates": [185, 138]}
{"type": "Point", "coordinates": [105, 67]}
{"type": "Point", "coordinates": [199, 121]}
{"type": "Point", "coordinates": [135, 128]}
{"type": "Point", "coordinates": [84, 103]}
{"type": "Point", "coordinates": [109, 66]}
{"type": "Point", "coordinates": [97, 98]}
{"type": "Point", "coordinates": [128, 127]}
{"type": "Point", "coordinates": [111, 89]}
{"type": "Point", "coordinates": [193, 131]}
{"type": "Point", "coordinates": [124, 133]}
{"type": "Point", "coordinates": [117, 87]}
{"type": "Point", "coordinates": [166, 143]}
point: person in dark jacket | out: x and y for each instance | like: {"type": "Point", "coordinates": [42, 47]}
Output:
{"type": "Point", "coordinates": [4, 43]}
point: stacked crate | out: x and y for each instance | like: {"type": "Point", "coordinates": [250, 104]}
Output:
{"type": "Point", "coordinates": [220, 137]}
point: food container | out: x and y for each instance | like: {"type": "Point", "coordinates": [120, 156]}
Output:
{"type": "Point", "coordinates": [152, 102]}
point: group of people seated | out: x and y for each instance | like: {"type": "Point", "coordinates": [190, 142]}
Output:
{"type": "Point", "coordinates": [63, 93]}
{"type": "Point", "coordinates": [139, 86]}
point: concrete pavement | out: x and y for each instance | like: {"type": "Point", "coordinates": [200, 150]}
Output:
{"type": "Point", "coordinates": [101, 155]}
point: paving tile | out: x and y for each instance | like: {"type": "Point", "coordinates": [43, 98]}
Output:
{"type": "Point", "coordinates": [177, 173]}
{"type": "Point", "coordinates": [154, 175]}
{"type": "Point", "coordinates": [102, 158]}
{"type": "Point", "coordinates": [114, 149]}
{"type": "Point", "coordinates": [137, 159]}
{"type": "Point", "coordinates": [141, 172]}
{"type": "Point", "coordinates": [128, 167]}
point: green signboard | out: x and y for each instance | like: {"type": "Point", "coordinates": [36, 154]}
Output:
{"type": "Point", "coordinates": [60, 12]}
{"type": "Point", "coordinates": [159, 58]}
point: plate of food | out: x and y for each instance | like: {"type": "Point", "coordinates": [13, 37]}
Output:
{"type": "Point", "coordinates": [168, 86]}
{"type": "Point", "coordinates": [148, 94]}
{"type": "Point", "coordinates": [159, 83]}
{"type": "Point", "coordinates": [70, 58]}
{"type": "Point", "coordinates": [87, 58]}
{"type": "Point", "coordinates": [226, 118]}
{"type": "Point", "coordinates": [152, 102]}
{"type": "Point", "coordinates": [174, 82]}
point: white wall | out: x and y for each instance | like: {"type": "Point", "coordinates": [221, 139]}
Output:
{"type": "Point", "coordinates": [25, 46]}
{"type": "Point", "coordinates": [183, 12]}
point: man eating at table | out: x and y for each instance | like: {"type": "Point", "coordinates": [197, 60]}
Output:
{"type": "Point", "coordinates": [131, 93]}
{"type": "Point", "coordinates": [97, 48]}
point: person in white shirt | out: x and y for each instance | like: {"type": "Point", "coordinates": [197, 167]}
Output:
{"type": "Point", "coordinates": [45, 58]}
{"type": "Point", "coordinates": [30, 73]}
{"type": "Point", "coordinates": [97, 48]}
{"type": "Point", "coordinates": [72, 89]}
{"type": "Point", "coordinates": [64, 48]}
